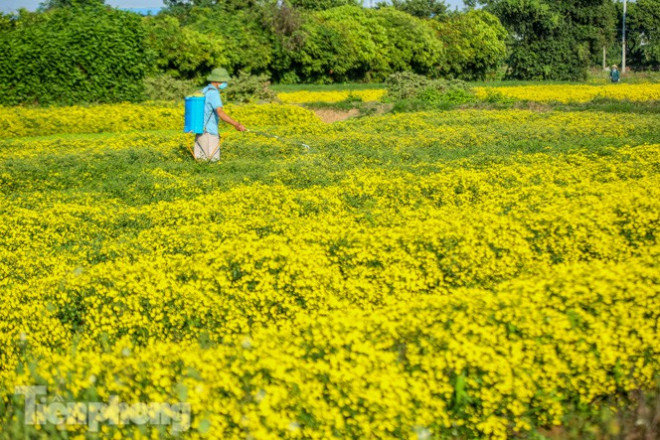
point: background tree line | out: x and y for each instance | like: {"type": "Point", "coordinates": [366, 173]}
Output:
{"type": "Point", "coordinates": [82, 50]}
{"type": "Point", "coordinates": [560, 39]}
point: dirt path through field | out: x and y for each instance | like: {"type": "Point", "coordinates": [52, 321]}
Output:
{"type": "Point", "coordinates": [329, 116]}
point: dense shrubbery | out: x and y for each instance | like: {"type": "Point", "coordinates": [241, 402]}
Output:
{"type": "Point", "coordinates": [244, 88]}
{"type": "Point", "coordinates": [101, 54]}
{"type": "Point", "coordinates": [406, 85]}
{"type": "Point", "coordinates": [78, 50]}
{"type": "Point", "coordinates": [416, 92]}
{"type": "Point", "coordinates": [354, 43]}
{"type": "Point", "coordinates": [321, 5]}
{"type": "Point", "coordinates": [475, 43]}
{"type": "Point", "coordinates": [181, 51]}
{"type": "Point", "coordinates": [411, 43]}
{"type": "Point", "coordinates": [68, 55]}
{"type": "Point", "coordinates": [339, 44]}
{"type": "Point", "coordinates": [246, 42]}
{"type": "Point", "coordinates": [164, 87]}
{"type": "Point", "coordinates": [345, 43]}
{"type": "Point", "coordinates": [351, 43]}
{"type": "Point", "coordinates": [250, 88]}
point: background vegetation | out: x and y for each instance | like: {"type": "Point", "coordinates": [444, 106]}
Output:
{"type": "Point", "coordinates": [68, 55]}
{"type": "Point", "coordinates": [73, 51]}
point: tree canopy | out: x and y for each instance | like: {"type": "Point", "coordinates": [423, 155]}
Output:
{"type": "Point", "coordinates": [418, 8]}
{"type": "Point", "coordinates": [553, 39]}
{"type": "Point", "coordinates": [644, 33]}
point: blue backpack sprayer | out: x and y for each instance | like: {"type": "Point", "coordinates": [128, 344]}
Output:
{"type": "Point", "coordinates": [194, 120]}
{"type": "Point", "coordinates": [194, 115]}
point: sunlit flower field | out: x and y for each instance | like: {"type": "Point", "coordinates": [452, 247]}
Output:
{"type": "Point", "coordinates": [304, 97]}
{"type": "Point", "coordinates": [546, 93]}
{"type": "Point", "coordinates": [575, 93]}
{"type": "Point", "coordinates": [460, 274]}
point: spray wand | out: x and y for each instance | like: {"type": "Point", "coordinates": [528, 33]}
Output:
{"type": "Point", "coordinates": [272, 136]}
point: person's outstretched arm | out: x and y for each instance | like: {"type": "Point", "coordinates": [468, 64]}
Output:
{"type": "Point", "coordinates": [225, 117]}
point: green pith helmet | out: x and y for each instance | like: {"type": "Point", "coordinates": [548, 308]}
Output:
{"type": "Point", "coordinates": [219, 75]}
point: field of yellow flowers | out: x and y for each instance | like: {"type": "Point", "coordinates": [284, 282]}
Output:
{"type": "Point", "coordinates": [547, 93]}
{"type": "Point", "coordinates": [571, 94]}
{"type": "Point", "coordinates": [306, 97]}
{"type": "Point", "coordinates": [461, 274]}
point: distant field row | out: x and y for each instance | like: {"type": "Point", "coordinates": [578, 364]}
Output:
{"type": "Point", "coordinates": [600, 78]}
{"type": "Point", "coordinates": [560, 93]}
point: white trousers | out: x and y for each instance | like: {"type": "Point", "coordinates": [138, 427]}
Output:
{"type": "Point", "coordinates": [207, 147]}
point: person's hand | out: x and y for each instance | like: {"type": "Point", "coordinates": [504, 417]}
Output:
{"type": "Point", "coordinates": [240, 127]}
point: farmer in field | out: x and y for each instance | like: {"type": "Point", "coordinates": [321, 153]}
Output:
{"type": "Point", "coordinates": [207, 145]}
{"type": "Point", "coordinates": [615, 74]}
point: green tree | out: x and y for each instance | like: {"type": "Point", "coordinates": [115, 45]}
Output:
{"type": "Point", "coordinates": [181, 51]}
{"type": "Point", "coordinates": [355, 43]}
{"type": "Point", "coordinates": [418, 8]}
{"type": "Point", "coordinates": [475, 44]}
{"type": "Point", "coordinates": [340, 44]}
{"type": "Point", "coordinates": [553, 39]}
{"type": "Point", "coordinates": [644, 34]}
{"type": "Point", "coordinates": [322, 5]}
{"type": "Point", "coordinates": [72, 55]}
{"type": "Point", "coordinates": [182, 7]}
{"type": "Point", "coordinates": [6, 22]}
{"type": "Point", "coordinates": [286, 24]}
{"type": "Point", "coordinates": [52, 4]}
{"type": "Point", "coordinates": [411, 43]}
{"type": "Point", "coordinates": [248, 43]}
